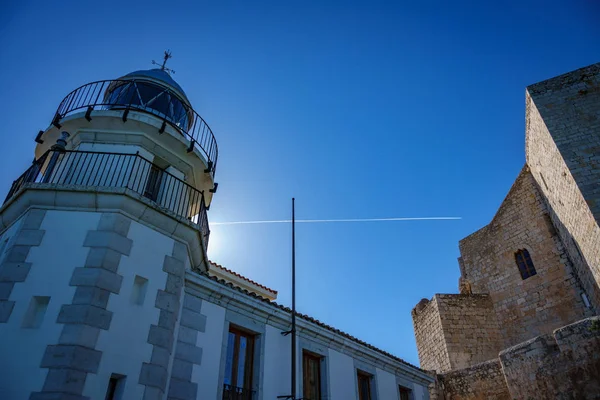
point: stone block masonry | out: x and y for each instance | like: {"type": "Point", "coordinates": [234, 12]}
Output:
{"type": "Point", "coordinates": [187, 353]}
{"type": "Point", "coordinates": [174, 338]}
{"type": "Point", "coordinates": [563, 152]}
{"type": "Point", "coordinates": [14, 268]}
{"type": "Point", "coordinates": [465, 328]}
{"type": "Point", "coordinates": [75, 355]}
{"type": "Point", "coordinates": [431, 343]}
{"type": "Point", "coordinates": [540, 303]}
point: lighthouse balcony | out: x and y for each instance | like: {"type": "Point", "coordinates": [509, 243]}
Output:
{"type": "Point", "coordinates": [146, 96]}
{"type": "Point", "coordinates": [128, 174]}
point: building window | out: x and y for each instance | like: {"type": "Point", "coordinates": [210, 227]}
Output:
{"type": "Point", "coordinates": [138, 292]}
{"type": "Point", "coordinates": [311, 373]}
{"type": "Point", "coordinates": [35, 312]}
{"type": "Point", "coordinates": [238, 365]}
{"type": "Point", "coordinates": [153, 183]}
{"type": "Point", "coordinates": [116, 386]}
{"type": "Point", "coordinates": [524, 263]}
{"type": "Point", "coordinates": [364, 385]}
{"type": "Point", "coordinates": [404, 393]}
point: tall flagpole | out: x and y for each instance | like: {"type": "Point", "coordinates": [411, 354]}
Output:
{"type": "Point", "coordinates": [293, 299]}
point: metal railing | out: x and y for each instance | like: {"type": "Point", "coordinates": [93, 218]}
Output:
{"type": "Point", "coordinates": [149, 97]}
{"type": "Point", "coordinates": [236, 393]}
{"type": "Point", "coordinates": [118, 170]}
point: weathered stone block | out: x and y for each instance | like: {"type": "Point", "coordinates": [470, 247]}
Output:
{"type": "Point", "coordinates": [161, 337]}
{"type": "Point", "coordinates": [80, 335]}
{"type": "Point", "coordinates": [97, 277]}
{"type": "Point", "coordinates": [29, 237]}
{"type": "Point", "coordinates": [115, 222]}
{"type": "Point", "coordinates": [180, 251]}
{"type": "Point", "coordinates": [187, 335]}
{"type": "Point", "coordinates": [160, 356]}
{"type": "Point", "coordinates": [111, 240]}
{"type": "Point", "coordinates": [174, 284]}
{"type": "Point", "coordinates": [33, 219]}
{"type": "Point", "coordinates": [92, 296]}
{"type": "Point", "coordinates": [14, 271]}
{"type": "Point", "coordinates": [188, 352]}
{"type": "Point", "coordinates": [182, 390]}
{"type": "Point", "coordinates": [182, 369]}
{"type": "Point", "coordinates": [84, 314]}
{"type": "Point", "coordinates": [72, 357]}
{"type": "Point", "coordinates": [153, 375]}
{"type": "Point", "coordinates": [101, 257]}
{"type": "Point", "coordinates": [174, 266]}
{"type": "Point", "coordinates": [6, 308]}
{"type": "Point", "coordinates": [6, 289]}
{"type": "Point", "coordinates": [167, 319]}
{"type": "Point", "coordinates": [167, 301]}
{"type": "Point", "coordinates": [193, 320]}
{"type": "Point", "coordinates": [192, 302]}
{"type": "Point", "coordinates": [65, 381]}
{"type": "Point", "coordinates": [17, 254]}
{"type": "Point", "coordinates": [153, 393]}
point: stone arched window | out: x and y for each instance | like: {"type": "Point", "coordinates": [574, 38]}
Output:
{"type": "Point", "coordinates": [524, 263]}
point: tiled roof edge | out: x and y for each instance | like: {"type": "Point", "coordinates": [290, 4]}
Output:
{"type": "Point", "coordinates": [242, 277]}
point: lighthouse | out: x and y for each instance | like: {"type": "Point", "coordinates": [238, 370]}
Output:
{"type": "Point", "coordinates": [97, 235]}
{"type": "Point", "coordinates": [106, 292]}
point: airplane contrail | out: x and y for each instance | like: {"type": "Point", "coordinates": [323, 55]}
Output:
{"type": "Point", "coordinates": [311, 221]}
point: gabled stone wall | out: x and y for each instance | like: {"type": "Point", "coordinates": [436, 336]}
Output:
{"type": "Point", "coordinates": [525, 308]}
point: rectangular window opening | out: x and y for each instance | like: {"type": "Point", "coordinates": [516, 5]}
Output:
{"type": "Point", "coordinates": [138, 293]}
{"type": "Point", "coordinates": [116, 387]}
{"type": "Point", "coordinates": [405, 393]}
{"type": "Point", "coordinates": [311, 374]}
{"type": "Point", "coordinates": [35, 312]}
{"type": "Point", "coordinates": [239, 365]}
{"type": "Point", "coordinates": [364, 385]}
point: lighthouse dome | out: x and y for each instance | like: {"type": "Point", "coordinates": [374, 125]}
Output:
{"type": "Point", "coordinates": [153, 90]}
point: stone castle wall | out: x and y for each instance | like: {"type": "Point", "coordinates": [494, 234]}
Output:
{"type": "Point", "coordinates": [483, 381]}
{"type": "Point", "coordinates": [561, 365]}
{"type": "Point", "coordinates": [563, 153]}
{"type": "Point", "coordinates": [525, 308]}
{"type": "Point", "coordinates": [465, 331]}
{"type": "Point", "coordinates": [431, 344]}
{"type": "Point", "coordinates": [470, 328]}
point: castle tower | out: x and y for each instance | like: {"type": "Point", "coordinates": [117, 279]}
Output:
{"type": "Point", "coordinates": [96, 237]}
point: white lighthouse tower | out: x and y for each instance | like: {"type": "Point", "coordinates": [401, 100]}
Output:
{"type": "Point", "coordinates": [96, 237]}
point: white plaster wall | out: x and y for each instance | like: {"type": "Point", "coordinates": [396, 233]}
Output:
{"type": "Point", "coordinates": [276, 376]}
{"type": "Point", "coordinates": [124, 346]}
{"type": "Point", "coordinates": [211, 342]}
{"type": "Point", "coordinates": [387, 389]}
{"type": "Point", "coordinates": [341, 376]}
{"type": "Point", "coordinates": [53, 262]}
{"type": "Point", "coordinates": [116, 148]}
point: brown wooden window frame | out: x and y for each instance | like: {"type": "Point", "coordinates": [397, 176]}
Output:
{"type": "Point", "coordinates": [363, 377]}
{"type": "Point", "coordinates": [404, 393]}
{"type": "Point", "coordinates": [525, 264]}
{"type": "Point", "coordinates": [311, 357]}
{"type": "Point", "coordinates": [248, 367]}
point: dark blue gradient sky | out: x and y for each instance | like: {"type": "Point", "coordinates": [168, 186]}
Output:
{"type": "Point", "coordinates": [358, 109]}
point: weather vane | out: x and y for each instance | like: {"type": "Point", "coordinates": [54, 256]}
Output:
{"type": "Point", "coordinates": [165, 59]}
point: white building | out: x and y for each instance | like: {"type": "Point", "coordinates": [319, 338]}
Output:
{"type": "Point", "coordinates": [106, 291]}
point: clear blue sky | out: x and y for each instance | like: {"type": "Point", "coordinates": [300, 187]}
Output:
{"type": "Point", "coordinates": [358, 109]}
